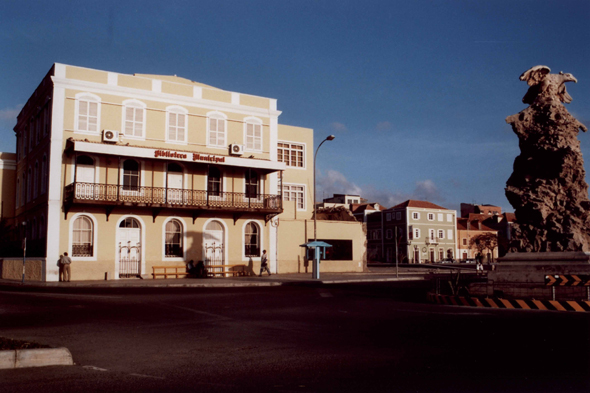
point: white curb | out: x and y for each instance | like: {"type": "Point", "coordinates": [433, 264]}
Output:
{"type": "Point", "coordinates": [21, 358]}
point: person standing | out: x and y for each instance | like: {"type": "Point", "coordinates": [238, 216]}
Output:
{"type": "Point", "coordinates": [264, 263]}
{"type": "Point", "coordinates": [66, 261]}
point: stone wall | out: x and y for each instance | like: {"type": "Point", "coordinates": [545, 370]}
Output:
{"type": "Point", "coordinates": [12, 269]}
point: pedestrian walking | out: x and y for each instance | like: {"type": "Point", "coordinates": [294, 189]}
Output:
{"type": "Point", "coordinates": [66, 271]}
{"type": "Point", "coordinates": [264, 263]}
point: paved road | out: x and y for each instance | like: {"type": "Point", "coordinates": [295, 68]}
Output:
{"type": "Point", "coordinates": [368, 337]}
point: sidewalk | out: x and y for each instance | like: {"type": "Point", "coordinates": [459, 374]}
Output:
{"type": "Point", "coordinates": [375, 275]}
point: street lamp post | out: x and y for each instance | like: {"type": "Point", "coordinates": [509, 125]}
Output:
{"type": "Point", "coordinates": [316, 265]}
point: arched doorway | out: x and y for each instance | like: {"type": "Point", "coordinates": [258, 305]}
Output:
{"type": "Point", "coordinates": [129, 247]}
{"type": "Point", "coordinates": [214, 244]}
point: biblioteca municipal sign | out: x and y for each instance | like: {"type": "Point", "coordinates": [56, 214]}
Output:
{"type": "Point", "coordinates": [184, 156]}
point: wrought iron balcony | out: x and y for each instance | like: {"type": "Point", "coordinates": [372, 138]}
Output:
{"type": "Point", "coordinates": [161, 197]}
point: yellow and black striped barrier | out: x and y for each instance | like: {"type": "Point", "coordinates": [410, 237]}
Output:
{"type": "Point", "coordinates": [568, 280]}
{"type": "Point", "coordinates": [522, 304]}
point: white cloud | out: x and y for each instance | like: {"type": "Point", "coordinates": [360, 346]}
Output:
{"type": "Point", "coordinates": [338, 127]}
{"type": "Point", "coordinates": [384, 126]}
{"type": "Point", "coordinates": [333, 182]}
{"type": "Point", "coordinates": [10, 114]}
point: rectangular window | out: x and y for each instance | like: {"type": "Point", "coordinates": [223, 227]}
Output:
{"type": "Point", "coordinates": [291, 153]}
{"type": "Point", "coordinates": [134, 121]}
{"type": "Point", "coordinates": [449, 218]}
{"type": "Point", "coordinates": [88, 116]}
{"type": "Point", "coordinates": [216, 132]}
{"type": "Point", "coordinates": [450, 234]}
{"type": "Point", "coordinates": [341, 250]}
{"type": "Point", "coordinates": [430, 216]}
{"type": "Point", "coordinates": [388, 216]}
{"type": "Point", "coordinates": [464, 241]}
{"type": "Point", "coordinates": [416, 216]}
{"type": "Point", "coordinates": [440, 217]}
{"type": "Point", "coordinates": [398, 216]}
{"type": "Point", "coordinates": [295, 193]}
{"type": "Point", "coordinates": [441, 234]}
{"type": "Point", "coordinates": [253, 136]}
{"type": "Point", "coordinates": [176, 126]}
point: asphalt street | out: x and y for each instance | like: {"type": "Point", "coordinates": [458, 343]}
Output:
{"type": "Point", "coordinates": [354, 337]}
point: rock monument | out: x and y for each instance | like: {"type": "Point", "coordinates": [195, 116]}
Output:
{"type": "Point", "coordinates": [547, 188]}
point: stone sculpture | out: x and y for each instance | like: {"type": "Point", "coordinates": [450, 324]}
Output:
{"type": "Point", "coordinates": [547, 187]}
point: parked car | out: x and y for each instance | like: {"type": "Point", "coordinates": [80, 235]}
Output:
{"type": "Point", "coordinates": [469, 260]}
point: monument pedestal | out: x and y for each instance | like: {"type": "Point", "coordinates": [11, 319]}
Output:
{"type": "Point", "coordinates": [539, 275]}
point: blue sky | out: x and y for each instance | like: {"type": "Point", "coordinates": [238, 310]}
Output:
{"type": "Point", "coordinates": [416, 92]}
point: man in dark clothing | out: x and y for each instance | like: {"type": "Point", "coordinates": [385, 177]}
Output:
{"type": "Point", "coordinates": [264, 263]}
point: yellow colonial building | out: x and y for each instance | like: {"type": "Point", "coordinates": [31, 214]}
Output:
{"type": "Point", "coordinates": [127, 172]}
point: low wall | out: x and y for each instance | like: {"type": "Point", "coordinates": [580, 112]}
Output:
{"type": "Point", "coordinates": [12, 269]}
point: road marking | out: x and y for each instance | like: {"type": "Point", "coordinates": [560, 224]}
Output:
{"type": "Point", "coordinates": [147, 376]}
{"type": "Point", "coordinates": [94, 368]}
{"type": "Point", "coordinates": [62, 295]}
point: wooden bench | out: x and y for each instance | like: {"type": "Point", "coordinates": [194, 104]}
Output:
{"type": "Point", "coordinates": [224, 270]}
{"type": "Point", "coordinates": [169, 271]}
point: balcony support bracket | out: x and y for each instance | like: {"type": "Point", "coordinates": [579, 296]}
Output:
{"type": "Point", "coordinates": [269, 217]}
{"type": "Point", "coordinates": [155, 212]}
{"type": "Point", "coordinates": [237, 216]}
{"type": "Point", "coordinates": [196, 214]}
{"type": "Point", "coordinates": [108, 211]}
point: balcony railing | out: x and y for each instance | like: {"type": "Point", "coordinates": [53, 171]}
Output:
{"type": "Point", "coordinates": [112, 194]}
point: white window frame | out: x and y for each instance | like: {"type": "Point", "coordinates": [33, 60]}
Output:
{"type": "Point", "coordinates": [254, 122]}
{"type": "Point", "coordinates": [95, 247]}
{"type": "Point", "coordinates": [431, 234]}
{"type": "Point", "coordinates": [449, 217]}
{"type": "Point", "coordinates": [87, 97]}
{"type": "Point", "coordinates": [134, 104]}
{"type": "Point", "coordinates": [304, 155]}
{"type": "Point", "coordinates": [260, 239]}
{"type": "Point", "coordinates": [183, 239]}
{"type": "Point", "coordinates": [177, 111]}
{"type": "Point", "coordinates": [450, 234]}
{"type": "Point", "coordinates": [415, 215]}
{"type": "Point", "coordinates": [302, 192]}
{"type": "Point", "coordinates": [430, 216]}
{"type": "Point", "coordinates": [416, 233]}
{"type": "Point", "coordinates": [441, 233]}
{"type": "Point", "coordinates": [219, 117]}
{"type": "Point", "coordinates": [440, 217]}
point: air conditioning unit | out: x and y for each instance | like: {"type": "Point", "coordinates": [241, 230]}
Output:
{"type": "Point", "coordinates": [236, 150]}
{"type": "Point", "coordinates": [110, 136]}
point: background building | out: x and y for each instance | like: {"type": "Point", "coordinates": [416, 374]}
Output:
{"type": "Point", "coordinates": [422, 231]}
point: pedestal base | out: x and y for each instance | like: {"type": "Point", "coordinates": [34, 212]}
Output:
{"type": "Point", "coordinates": [525, 275]}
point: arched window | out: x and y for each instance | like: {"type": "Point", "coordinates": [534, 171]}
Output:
{"type": "Point", "coordinates": [131, 175]}
{"type": "Point", "coordinates": [252, 240]}
{"type": "Point", "coordinates": [217, 130]}
{"type": "Point", "coordinates": [133, 118]}
{"type": "Point", "coordinates": [88, 113]}
{"type": "Point", "coordinates": [214, 181]}
{"type": "Point", "coordinates": [253, 134]}
{"type": "Point", "coordinates": [83, 237]}
{"type": "Point", "coordinates": [173, 241]}
{"type": "Point", "coordinates": [129, 222]}
{"type": "Point", "coordinates": [177, 124]}
{"type": "Point", "coordinates": [252, 184]}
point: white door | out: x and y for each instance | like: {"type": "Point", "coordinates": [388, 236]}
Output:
{"type": "Point", "coordinates": [174, 192]}
{"type": "Point", "coordinates": [213, 244]}
{"type": "Point", "coordinates": [129, 245]}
